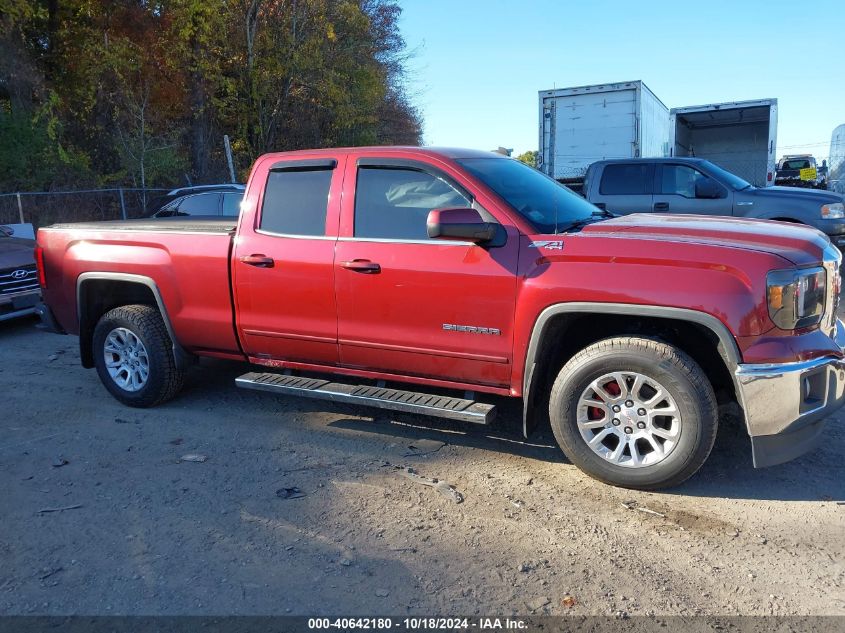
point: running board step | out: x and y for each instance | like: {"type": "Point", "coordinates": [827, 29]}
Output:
{"type": "Point", "coordinates": [381, 397]}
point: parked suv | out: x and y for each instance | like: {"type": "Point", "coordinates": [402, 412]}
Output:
{"type": "Point", "coordinates": [694, 185]}
{"type": "Point", "coordinates": [19, 291]}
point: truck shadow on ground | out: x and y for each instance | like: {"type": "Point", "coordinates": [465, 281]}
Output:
{"type": "Point", "coordinates": [409, 428]}
{"type": "Point", "coordinates": [728, 473]}
{"type": "Point", "coordinates": [16, 327]}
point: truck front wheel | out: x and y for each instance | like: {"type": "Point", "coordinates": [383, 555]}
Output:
{"type": "Point", "coordinates": [133, 354]}
{"type": "Point", "coordinates": [634, 412]}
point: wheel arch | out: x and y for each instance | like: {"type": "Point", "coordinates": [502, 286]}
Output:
{"type": "Point", "coordinates": [99, 292]}
{"type": "Point", "coordinates": [716, 349]}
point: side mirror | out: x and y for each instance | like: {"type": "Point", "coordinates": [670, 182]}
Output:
{"type": "Point", "coordinates": [708, 188]}
{"type": "Point", "coordinates": [460, 224]}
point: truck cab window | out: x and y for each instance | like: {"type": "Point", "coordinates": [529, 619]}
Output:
{"type": "Point", "coordinates": [625, 180]}
{"type": "Point", "coordinates": [394, 203]}
{"type": "Point", "coordinates": [679, 180]}
{"type": "Point", "coordinates": [295, 202]}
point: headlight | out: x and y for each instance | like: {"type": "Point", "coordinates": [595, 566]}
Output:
{"type": "Point", "coordinates": [796, 297]}
{"type": "Point", "coordinates": [834, 211]}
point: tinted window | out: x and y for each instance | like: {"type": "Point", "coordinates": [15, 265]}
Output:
{"type": "Point", "coordinates": [543, 202]}
{"type": "Point", "coordinates": [796, 164]}
{"type": "Point", "coordinates": [200, 204]}
{"type": "Point", "coordinates": [394, 203]}
{"type": "Point", "coordinates": [232, 204]}
{"type": "Point", "coordinates": [625, 180]}
{"type": "Point", "coordinates": [679, 180]}
{"type": "Point", "coordinates": [726, 177]}
{"type": "Point", "coordinates": [295, 202]}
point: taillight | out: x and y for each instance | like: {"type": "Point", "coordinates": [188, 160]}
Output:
{"type": "Point", "coordinates": [769, 176]}
{"type": "Point", "coordinates": [39, 264]}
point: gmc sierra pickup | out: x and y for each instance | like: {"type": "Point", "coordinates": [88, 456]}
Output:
{"type": "Point", "coordinates": [468, 273]}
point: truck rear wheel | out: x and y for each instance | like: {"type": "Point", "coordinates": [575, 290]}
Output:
{"type": "Point", "coordinates": [634, 412]}
{"type": "Point", "coordinates": [133, 354]}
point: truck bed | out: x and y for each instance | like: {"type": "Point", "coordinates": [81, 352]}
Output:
{"type": "Point", "coordinates": [186, 260]}
{"type": "Point", "coordinates": [195, 224]}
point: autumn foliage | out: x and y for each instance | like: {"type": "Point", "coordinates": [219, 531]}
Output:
{"type": "Point", "coordinates": [136, 93]}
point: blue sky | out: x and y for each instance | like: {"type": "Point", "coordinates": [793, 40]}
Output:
{"type": "Point", "coordinates": [479, 64]}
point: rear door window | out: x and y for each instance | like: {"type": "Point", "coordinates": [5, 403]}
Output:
{"type": "Point", "coordinates": [295, 202]}
{"type": "Point", "coordinates": [626, 179]}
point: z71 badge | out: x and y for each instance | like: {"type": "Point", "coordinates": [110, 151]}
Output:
{"type": "Point", "coordinates": [554, 245]}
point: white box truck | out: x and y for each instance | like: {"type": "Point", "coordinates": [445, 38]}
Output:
{"type": "Point", "coordinates": [740, 136]}
{"type": "Point", "coordinates": [581, 125]}
{"type": "Point", "coordinates": [836, 161]}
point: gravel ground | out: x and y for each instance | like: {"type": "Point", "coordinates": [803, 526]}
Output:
{"type": "Point", "coordinates": [98, 515]}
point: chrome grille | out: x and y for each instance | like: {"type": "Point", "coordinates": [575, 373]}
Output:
{"type": "Point", "coordinates": [22, 279]}
{"type": "Point", "coordinates": [833, 284]}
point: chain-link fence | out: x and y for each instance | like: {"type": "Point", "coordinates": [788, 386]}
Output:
{"type": "Point", "coordinates": [43, 208]}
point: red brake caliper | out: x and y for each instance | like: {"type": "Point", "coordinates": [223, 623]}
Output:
{"type": "Point", "coordinates": [613, 389]}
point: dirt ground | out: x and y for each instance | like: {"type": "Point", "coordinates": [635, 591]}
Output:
{"type": "Point", "coordinates": [98, 515]}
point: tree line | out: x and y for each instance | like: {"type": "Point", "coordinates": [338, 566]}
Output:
{"type": "Point", "coordinates": [140, 93]}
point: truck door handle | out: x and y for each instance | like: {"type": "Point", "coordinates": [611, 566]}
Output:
{"type": "Point", "coordinates": [661, 206]}
{"type": "Point", "coordinates": [362, 266]}
{"type": "Point", "coordinates": [259, 261]}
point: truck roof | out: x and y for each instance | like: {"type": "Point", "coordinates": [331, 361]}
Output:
{"type": "Point", "coordinates": [667, 159]}
{"type": "Point", "coordinates": [616, 86]}
{"type": "Point", "coordinates": [446, 152]}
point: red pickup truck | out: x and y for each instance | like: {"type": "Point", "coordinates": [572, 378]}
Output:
{"type": "Point", "coordinates": [460, 274]}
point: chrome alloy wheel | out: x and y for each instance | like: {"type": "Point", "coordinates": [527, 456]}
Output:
{"type": "Point", "coordinates": [126, 359]}
{"type": "Point", "coordinates": [629, 419]}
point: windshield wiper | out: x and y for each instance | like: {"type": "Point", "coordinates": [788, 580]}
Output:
{"type": "Point", "coordinates": [597, 216]}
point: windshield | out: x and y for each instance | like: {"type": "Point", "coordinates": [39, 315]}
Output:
{"type": "Point", "coordinates": [544, 202]}
{"type": "Point", "coordinates": [801, 163]}
{"type": "Point", "coordinates": [733, 180]}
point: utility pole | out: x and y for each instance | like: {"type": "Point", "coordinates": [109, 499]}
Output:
{"type": "Point", "coordinates": [229, 157]}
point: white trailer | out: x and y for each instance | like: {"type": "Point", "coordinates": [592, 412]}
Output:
{"type": "Point", "coordinates": [740, 136]}
{"type": "Point", "coordinates": [581, 125]}
{"type": "Point", "coordinates": [836, 161]}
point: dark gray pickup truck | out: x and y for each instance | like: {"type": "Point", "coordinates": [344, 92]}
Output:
{"type": "Point", "coordinates": [694, 185]}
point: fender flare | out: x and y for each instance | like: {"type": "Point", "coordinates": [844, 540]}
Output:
{"type": "Point", "coordinates": [182, 358]}
{"type": "Point", "coordinates": [727, 347]}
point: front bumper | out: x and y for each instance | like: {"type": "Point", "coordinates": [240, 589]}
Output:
{"type": "Point", "coordinates": [786, 404]}
{"type": "Point", "coordinates": [18, 305]}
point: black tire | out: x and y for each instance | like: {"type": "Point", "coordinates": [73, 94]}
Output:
{"type": "Point", "coordinates": [164, 379]}
{"type": "Point", "coordinates": [675, 371]}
